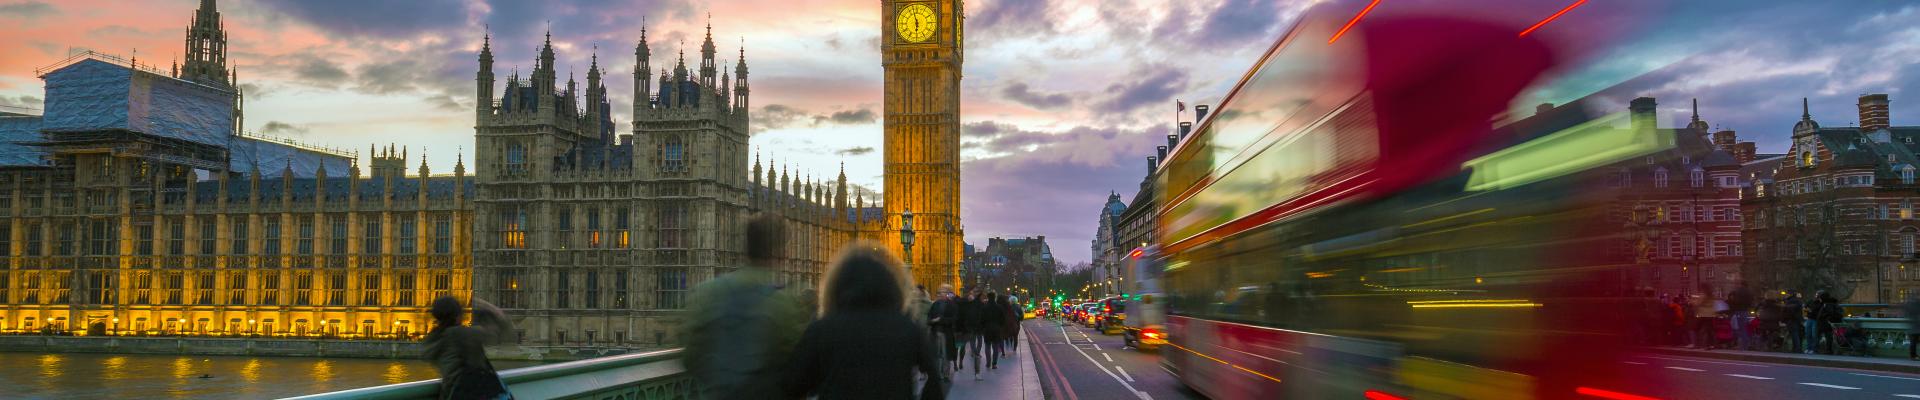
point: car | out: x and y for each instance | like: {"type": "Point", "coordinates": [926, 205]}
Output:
{"type": "Point", "coordinates": [1112, 316]}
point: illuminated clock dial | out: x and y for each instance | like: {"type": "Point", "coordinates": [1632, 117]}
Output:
{"type": "Point", "coordinates": [916, 22]}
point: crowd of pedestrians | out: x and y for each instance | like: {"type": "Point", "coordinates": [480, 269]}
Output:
{"type": "Point", "coordinates": [875, 334]}
{"type": "Point", "coordinates": [1740, 319]}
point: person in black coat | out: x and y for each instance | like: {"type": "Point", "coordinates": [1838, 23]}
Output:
{"type": "Point", "coordinates": [458, 352]}
{"type": "Point", "coordinates": [975, 312]}
{"type": "Point", "coordinates": [993, 315]}
{"type": "Point", "coordinates": [942, 318]}
{"type": "Point", "coordinates": [864, 346]}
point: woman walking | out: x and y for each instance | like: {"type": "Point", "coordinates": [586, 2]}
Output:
{"type": "Point", "coordinates": [994, 315]}
{"type": "Point", "coordinates": [864, 346]}
{"type": "Point", "coordinates": [459, 352]}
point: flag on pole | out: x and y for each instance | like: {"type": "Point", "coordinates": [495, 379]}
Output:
{"type": "Point", "coordinates": [1180, 106]}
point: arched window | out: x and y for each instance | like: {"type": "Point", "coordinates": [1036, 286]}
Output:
{"type": "Point", "coordinates": [673, 157]}
{"type": "Point", "coordinates": [1906, 174]}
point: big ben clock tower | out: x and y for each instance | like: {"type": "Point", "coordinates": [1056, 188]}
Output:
{"type": "Point", "coordinates": [921, 49]}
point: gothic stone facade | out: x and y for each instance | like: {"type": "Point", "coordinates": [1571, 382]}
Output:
{"type": "Point", "coordinates": [589, 238]}
{"type": "Point", "coordinates": [161, 222]}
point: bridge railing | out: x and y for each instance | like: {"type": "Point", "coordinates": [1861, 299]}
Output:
{"type": "Point", "coordinates": [650, 375]}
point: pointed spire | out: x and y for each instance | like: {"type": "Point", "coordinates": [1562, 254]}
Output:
{"type": "Point", "coordinates": [1696, 110]}
{"type": "Point", "coordinates": [1805, 112]}
{"type": "Point", "coordinates": [459, 162]}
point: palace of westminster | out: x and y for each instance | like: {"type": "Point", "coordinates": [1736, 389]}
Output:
{"type": "Point", "coordinates": [136, 205]}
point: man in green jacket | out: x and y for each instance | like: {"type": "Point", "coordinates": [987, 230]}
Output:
{"type": "Point", "coordinates": [741, 325]}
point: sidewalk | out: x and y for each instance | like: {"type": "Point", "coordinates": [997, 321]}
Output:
{"type": "Point", "coordinates": [1015, 379]}
{"type": "Point", "coordinates": [1886, 364]}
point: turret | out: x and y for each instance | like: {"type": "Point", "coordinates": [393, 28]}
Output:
{"type": "Point", "coordinates": [707, 67]}
{"type": "Point", "coordinates": [643, 57]}
{"type": "Point", "coordinates": [483, 80]}
{"type": "Point", "coordinates": [740, 82]}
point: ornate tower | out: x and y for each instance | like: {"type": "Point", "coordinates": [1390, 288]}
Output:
{"type": "Point", "coordinates": [921, 51]}
{"type": "Point", "coordinates": [207, 48]}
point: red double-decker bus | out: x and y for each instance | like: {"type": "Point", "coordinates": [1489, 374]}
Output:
{"type": "Point", "coordinates": [1353, 222]}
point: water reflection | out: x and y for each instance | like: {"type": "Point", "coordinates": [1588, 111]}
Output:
{"type": "Point", "coordinates": [130, 376]}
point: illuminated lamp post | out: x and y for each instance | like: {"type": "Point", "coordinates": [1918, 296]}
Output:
{"type": "Point", "coordinates": [906, 238]}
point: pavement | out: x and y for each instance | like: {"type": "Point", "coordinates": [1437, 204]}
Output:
{"type": "Point", "coordinates": [1885, 364]}
{"type": "Point", "coordinates": [1017, 377]}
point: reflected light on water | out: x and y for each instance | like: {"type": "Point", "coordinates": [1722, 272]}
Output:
{"type": "Point", "coordinates": [251, 371]}
{"type": "Point", "coordinates": [50, 365]}
{"type": "Point", "coordinates": [323, 371]}
{"type": "Point", "coordinates": [396, 373]}
{"type": "Point", "coordinates": [115, 368]}
{"type": "Point", "coordinates": [182, 367]}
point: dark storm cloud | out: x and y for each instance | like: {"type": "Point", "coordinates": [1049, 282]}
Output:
{"type": "Point", "coordinates": [27, 10]}
{"type": "Point", "coordinates": [1238, 22]}
{"type": "Point", "coordinates": [855, 151]}
{"type": "Point", "coordinates": [319, 70]}
{"type": "Point", "coordinates": [853, 117]}
{"type": "Point", "coordinates": [376, 18]}
{"type": "Point", "coordinates": [1020, 93]}
{"type": "Point", "coordinates": [776, 116]}
{"type": "Point", "coordinates": [22, 101]}
{"type": "Point", "coordinates": [982, 129]}
{"type": "Point", "coordinates": [1009, 18]}
{"type": "Point", "coordinates": [283, 129]}
{"type": "Point", "coordinates": [389, 77]}
{"type": "Point", "coordinates": [1156, 84]}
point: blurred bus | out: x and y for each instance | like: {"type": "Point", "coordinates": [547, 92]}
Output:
{"type": "Point", "coordinates": [1143, 320]}
{"type": "Point", "coordinates": [1350, 224]}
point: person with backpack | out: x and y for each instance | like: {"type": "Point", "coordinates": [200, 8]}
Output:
{"type": "Point", "coordinates": [1791, 313]}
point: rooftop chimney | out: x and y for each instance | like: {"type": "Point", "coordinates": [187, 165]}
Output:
{"type": "Point", "coordinates": [1185, 128]}
{"type": "Point", "coordinates": [1543, 108]}
{"type": "Point", "coordinates": [1873, 112]}
{"type": "Point", "coordinates": [1643, 113]}
{"type": "Point", "coordinates": [1200, 113]}
{"type": "Point", "coordinates": [1152, 163]}
{"type": "Point", "coordinates": [1162, 151]}
{"type": "Point", "coordinates": [1172, 141]}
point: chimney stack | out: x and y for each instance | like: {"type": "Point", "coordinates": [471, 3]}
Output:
{"type": "Point", "coordinates": [1873, 112]}
{"type": "Point", "coordinates": [1543, 108]}
{"type": "Point", "coordinates": [1152, 163]}
{"type": "Point", "coordinates": [1643, 113]}
{"type": "Point", "coordinates": [1172, 141]}
{"type": "Point", "coordinates": [1162, 151]}
{"type": "Point", "coordinates": [1200, 113]}
{"type": "Point", "coordinates": [1185, 128]}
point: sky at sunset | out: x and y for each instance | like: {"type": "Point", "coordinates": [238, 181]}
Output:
{"type": "Point", "coordinates": [1062, 99]}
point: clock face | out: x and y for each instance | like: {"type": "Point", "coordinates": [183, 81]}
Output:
{"type": "Point", "coordinates": [916, 22]}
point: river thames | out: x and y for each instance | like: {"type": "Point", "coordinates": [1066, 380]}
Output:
{"type": "Point", "coordinates": [152, 376]}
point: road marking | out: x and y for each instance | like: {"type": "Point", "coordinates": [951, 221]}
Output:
{"type": "Point", "coordinates": [1704, 361]}
{"type": "Point", "coordinates": [1750, 377]}
{"type": "Point", "coordinates": [1829, 386]}
{"type": "Point", "coordinates": [1890, 377]}
{"type": "Point", "coordinates": [1056, 343]}
{"type": "Point", "coordinates": [1109, 358]}
{"type": "Point", "coordinates": [1910, 396]}
{"type": "Point", "coordinates": [1103, 368]}
{"type": "Point", "coordinates": [1686, 369]}
{"type": "Point", "coordinates": [1096, 347]}
{"type": "Point", "coordinates": [1277, 349]}
{"type": "Point", "coordinates": [1123, 373]}
{"type": "Point", "coordinates": [1634, 362]}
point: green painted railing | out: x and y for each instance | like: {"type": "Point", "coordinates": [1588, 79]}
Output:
{"type": "Point", "coordinates": [651, 375]}
{"type": "Point", "coordinates": [1886, 337]}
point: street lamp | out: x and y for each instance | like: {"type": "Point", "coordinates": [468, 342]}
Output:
{"type": "Point", "coordinates": [906, 237]}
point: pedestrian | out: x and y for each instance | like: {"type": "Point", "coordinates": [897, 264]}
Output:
{"type": "Point", "coordinates": [920, 306]}
{"type": "Point", "coordinates": [1740, 310]}
{"type": "Point", "coordinates": [975, 311]}
{"type": "Point", "coordinates": [1792, 316]}
{"type": "Point", "coordinates": [1912, 311]}
{"type": "Point", "coordinates": [740, 326]}
{"type": "Point", "coordinates": [1011, 330]}
{"type": "Point", "coordinates": [459, 352]}
{"type": "Point", "coordinates": [864, 346]}
{"type": "Point", "coordinates": [1767, 319]}
{"type": "Point", "coordinates": [1828, 313]}
{"type": "Point", "coordinates": [1704, 311]}
{"type": "Point", "coordinates": [994, 314]}
{"type": "Point", "coordinates": [941, 317]}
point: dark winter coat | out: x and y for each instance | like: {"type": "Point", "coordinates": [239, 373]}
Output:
{"type": "Point", "coordinates": [1740, 301]}
{"type": "Point", "coordinates": [948, 313]}
{"type": "Point", "coordinates": [460, 355]}
{"type": "Point", "coordinates": [865, 354]}
{"type": "Point", "coordinates": [1793, 310]}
